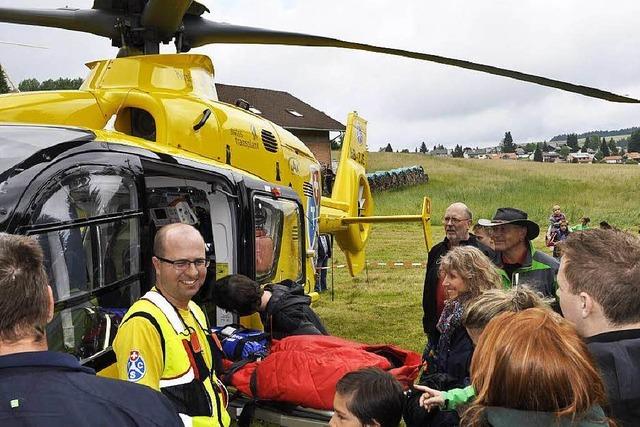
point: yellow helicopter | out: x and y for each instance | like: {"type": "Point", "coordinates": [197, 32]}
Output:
{"type": "Point", "coordinates": [145, 142]}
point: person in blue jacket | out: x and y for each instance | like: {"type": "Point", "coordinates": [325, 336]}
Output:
{"type": "Point", "coordinates": [40, 387]}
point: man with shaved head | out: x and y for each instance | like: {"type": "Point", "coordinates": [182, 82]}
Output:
{"type": "Point", "coordinates": [456, 221]}
{"type": "Point", "coordinates": [164, 340]}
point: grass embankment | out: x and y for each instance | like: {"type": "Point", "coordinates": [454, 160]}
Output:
{"type": "Point", "coordinates": [384, 306]}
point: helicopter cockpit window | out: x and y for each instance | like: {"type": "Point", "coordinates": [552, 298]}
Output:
{"type": "Point", "coordinates": [87, 224]}
{"type": "Point", "coordinates": [277, 240]}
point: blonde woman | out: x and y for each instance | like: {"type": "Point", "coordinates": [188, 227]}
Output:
{"type": "Point", "coordinates": [465, 272]}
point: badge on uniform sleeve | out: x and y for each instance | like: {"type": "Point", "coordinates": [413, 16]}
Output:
{"type": "Point", "coordinates": [136, 367]}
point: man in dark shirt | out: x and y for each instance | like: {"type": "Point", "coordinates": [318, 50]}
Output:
{"type": "Point", "coordinates": [599, 291]}
{"type": "Point", "coordinates": [40, 387]}
{"type": "Point", "coordinates": [457, 221]}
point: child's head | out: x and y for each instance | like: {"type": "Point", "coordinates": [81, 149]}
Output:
{"type": "Point", "coordinates": [483, 234]}
{"type": "Point", "coordinates": [556, 209]}
{"type": "Point", "coordinates": [533, 360]}
{"type": "Point", "coordinates": [238, 293]}
{"type": "Point", "coordinates": [368, 397]}
{"type": "Point", "coordinates": [493, 302]}
{"type": "Point", "coordinates": [564, 225]}
{"type": "Point", "coordinates": [585, 220]}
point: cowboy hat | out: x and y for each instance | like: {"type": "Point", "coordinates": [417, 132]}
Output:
{"type": "Point", "coordinates": [512, 216]}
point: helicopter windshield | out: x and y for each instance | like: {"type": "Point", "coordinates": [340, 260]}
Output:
{"type": "Point", "coordinates": [19, 143]}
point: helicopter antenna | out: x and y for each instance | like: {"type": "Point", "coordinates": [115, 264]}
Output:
{"type": "Point", "coordinates": [12, 86]}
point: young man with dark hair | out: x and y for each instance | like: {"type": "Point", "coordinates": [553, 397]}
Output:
{"type": "Point", "coordinates": [367, 397]}
{"type": "Point", "coordinates": [599, 291]}
{"type": "Point", "coordinates": [40, 387]}
{"type": "Point", "coordinates": [284, 308]}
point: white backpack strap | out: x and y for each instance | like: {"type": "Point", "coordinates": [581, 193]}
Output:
{"type": "Point", "coordinates": [194, 309]}
{"type": "Point", "coordinates": [167, 309]}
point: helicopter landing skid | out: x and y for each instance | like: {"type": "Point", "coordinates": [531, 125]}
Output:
{"type": "Point", "coordinates": [279, 413]}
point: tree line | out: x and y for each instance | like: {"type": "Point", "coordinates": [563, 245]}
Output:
{"type": "Point", "coordinates": [30, 85]}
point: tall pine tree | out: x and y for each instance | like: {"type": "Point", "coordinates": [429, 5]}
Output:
{"type": "Point", "coordinates": [572, 142]}
{"type": "Point", "coordinates": [507, 143]}
{"type": "Point", "coordinates": [4, 85]}
{"type": "Point", "coordinates": [537, 154]}
{"type": "Point", "coordinates": [604, 148]}
{"type": "Point", "coordinates": [634, 142]}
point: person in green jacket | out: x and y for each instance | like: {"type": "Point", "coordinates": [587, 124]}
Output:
{"type": "Point", "coordinates": [475, 318]}
{"type": "Point", "coordinates": [584, 224]}
{"type": "Point", "coordinates": [518, 261]}
{"type": "Point", "coordinates": [531, 368]}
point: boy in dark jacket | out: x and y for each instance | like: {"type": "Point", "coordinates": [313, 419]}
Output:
{"type": "Point", "coordinates": [284, 308]}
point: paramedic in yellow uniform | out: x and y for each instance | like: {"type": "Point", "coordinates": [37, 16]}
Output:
{"type": "Point", "coordinates": [164, 341]}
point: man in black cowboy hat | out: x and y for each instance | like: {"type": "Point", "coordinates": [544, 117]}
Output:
{"type": "Point", "coordinates": [519, 263]}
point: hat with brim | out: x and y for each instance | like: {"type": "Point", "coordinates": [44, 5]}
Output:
{"type": "Point", "coordinates": [512, 216]}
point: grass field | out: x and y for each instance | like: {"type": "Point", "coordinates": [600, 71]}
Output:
{"type": "Point", "coordinates": [383, 305]}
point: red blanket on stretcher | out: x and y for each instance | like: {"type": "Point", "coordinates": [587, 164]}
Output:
{"type": "Point", "coordinates": [304, 369]}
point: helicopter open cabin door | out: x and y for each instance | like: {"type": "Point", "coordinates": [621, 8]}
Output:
{"type": "Point", "coordinates": [207, 205]}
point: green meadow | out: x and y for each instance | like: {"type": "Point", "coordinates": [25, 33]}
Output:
{"type": "Point", "coordinates": [383, 304]}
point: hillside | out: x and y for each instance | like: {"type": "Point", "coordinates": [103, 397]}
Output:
{"type": "Point", "coordinates": [383, 304]}
{"type": "Point", "coordinates": [601, 133]}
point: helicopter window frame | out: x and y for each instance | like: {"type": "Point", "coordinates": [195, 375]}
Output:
{"type": "Point", "coordinates": [277, 237]}
{"type": "Point", "coordinates": [106, 238]}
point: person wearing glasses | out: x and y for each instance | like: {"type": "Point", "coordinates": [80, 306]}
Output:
{"type": "Point", "coordinates": [164, 340]}
{"type": "Point", "coordinates": [456, 222]}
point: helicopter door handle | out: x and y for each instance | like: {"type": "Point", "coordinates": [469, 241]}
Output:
{"type": "Point", "coordinates": [205, 116]}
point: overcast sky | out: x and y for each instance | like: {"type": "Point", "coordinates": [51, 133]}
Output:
{"type": "Point", "coordinates": [588, 42]}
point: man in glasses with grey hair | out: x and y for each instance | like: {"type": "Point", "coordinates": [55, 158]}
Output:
{"type": "Point", "coordinates": [164, 340]}
{"type": "Point", "coordinates": [456, 222]}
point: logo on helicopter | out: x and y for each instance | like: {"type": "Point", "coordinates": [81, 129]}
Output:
{"type": "Point", "coordinates": [313, 208]}
{"type": "Point", "coordinates": [359, 134]}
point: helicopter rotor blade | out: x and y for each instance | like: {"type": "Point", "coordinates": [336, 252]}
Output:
{"type": "Point", "coordinates": [164, 15]}
{"type": "Point", "coordinates": [199, 32]}
{"type": "Point", "coordinates": [98, 22]}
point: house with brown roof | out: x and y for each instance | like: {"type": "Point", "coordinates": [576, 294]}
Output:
{"type": "Point", "coordinates": [309, 124]}
{"type": "Point", "coordinates": [580, 157]}
{"type": "Point", "coordinates": [632, 156]}
{"type": "Point", "coordinates": [613, 159]}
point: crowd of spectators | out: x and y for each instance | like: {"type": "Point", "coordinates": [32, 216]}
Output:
{"type": "Point", "coordinates": [514, 336]}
